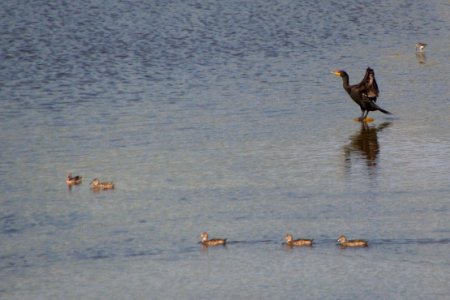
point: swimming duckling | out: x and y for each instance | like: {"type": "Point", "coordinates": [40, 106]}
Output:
{"type": "Point", "coordinates": [342, 240]}
{"type": "Point", "coordinates": [73, 180]}
{"type": "Point", "coordinates": [96, 184]}
{"type": "Point", "coordinates": [300, 242]}
{"type": "Point", "coordinates": [212, 242]}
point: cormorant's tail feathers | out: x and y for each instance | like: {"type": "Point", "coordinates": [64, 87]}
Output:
{"type": "Point", "coordinates": [384, 111]}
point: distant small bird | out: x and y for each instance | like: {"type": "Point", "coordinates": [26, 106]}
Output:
{"type": "Point", "coordinates": [420, 47]}
{"type": "Point", "coordinates": [97, 185]}
{"type": "Point", "coordinates": [300, 242]}
{"type": "Point", "coordinates": [73, 180]}
{"type": "Point", "coordinates": [342, 240]}
{"type": "Point", "coordinates": [211, 242]}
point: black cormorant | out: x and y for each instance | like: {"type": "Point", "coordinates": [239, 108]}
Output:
{"type": "Point", "coordinates": [364, 93]}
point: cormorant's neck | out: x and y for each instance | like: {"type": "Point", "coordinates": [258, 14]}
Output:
{"type": "Point", "coordinates": [345, 81]}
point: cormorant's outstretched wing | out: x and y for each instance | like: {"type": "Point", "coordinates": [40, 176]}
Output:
{"type": "Point", "coordinates": [369, 86]}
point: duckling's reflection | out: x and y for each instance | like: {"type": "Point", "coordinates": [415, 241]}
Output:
{"type": "Point", "coordinates": [365, 145]}
{"type": "Point", "coordinates": [421, 57]}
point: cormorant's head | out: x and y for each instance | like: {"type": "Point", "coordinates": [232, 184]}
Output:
{"type": "Point", "coordinates": [339, 73]}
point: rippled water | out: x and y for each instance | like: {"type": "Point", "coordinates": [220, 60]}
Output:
{"type": "Point", "coordinates": [222, 117]}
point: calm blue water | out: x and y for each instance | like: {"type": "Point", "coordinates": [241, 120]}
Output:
{"type": "Point", "coordinates": [223, 116]}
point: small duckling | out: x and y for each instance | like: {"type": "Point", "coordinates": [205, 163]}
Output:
{"type": "Point", "coordinates": [212, 242]}
{"type": "Point", "coordinates": [97, 185]}
{"type": "Point", "coordinates": [342, 240]}
{"type": "Point", "coordinates": [73, 180]}
{"type": "Point", "coordinates": [300, 242]}
{"type": "Point", "coordinates": [420, 47]}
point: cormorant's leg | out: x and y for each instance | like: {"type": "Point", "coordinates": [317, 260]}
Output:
{"type": "Point", "coordinates": [365, 116]}
{"type": "Point", "coordinates": [361, 119]}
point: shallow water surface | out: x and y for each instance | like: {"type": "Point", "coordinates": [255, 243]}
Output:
{"type": "Point", "coordinates": [223, 117]}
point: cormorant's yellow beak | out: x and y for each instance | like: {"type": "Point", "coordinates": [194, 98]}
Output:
{"type": "Point", "coordinates": [337, 73]}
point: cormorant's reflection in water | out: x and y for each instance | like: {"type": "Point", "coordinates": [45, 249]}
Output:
{"type": "Point", "coordinates": [365, 145]}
